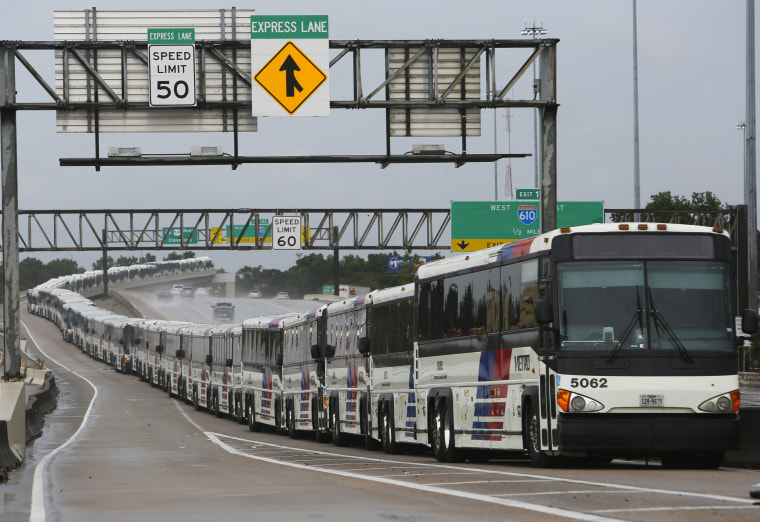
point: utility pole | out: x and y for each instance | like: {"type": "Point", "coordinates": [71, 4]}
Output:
{"type": "Point", "coordinates": [750, 179]}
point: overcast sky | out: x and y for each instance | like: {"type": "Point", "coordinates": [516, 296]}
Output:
{"type": "Point", "coordinates": [691, 65]}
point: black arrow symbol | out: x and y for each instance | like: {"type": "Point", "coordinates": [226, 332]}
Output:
{"type": "Point", "coordinates": [290, 66]}
{"type": "Point", "coordinates": [463, 245]}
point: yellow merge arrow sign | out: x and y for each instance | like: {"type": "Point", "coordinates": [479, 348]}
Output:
{"type": "Point", "coordinates": [290, 77]}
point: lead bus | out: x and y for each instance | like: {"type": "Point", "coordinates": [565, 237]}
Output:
{"type": "Point", "coordinates": [606, 340]}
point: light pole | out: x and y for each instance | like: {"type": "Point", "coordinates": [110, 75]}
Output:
{"type": "Point", "coordinates": [534, 31]}
{"type": "Point", "coordinates": [636, 179]}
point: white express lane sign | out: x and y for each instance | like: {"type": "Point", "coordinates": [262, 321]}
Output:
{"type": "Point", "coordinates": [290, 62]}
{"type": "Point", "coordinates": [171, 61]}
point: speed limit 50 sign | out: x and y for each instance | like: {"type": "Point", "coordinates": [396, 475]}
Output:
{"type": "Point", "coordinates": [286, 233]}
{"type": "Point", "coordinates": [171, 59]}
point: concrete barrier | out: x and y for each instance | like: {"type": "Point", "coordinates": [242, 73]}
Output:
{"type": "Point", "coordinates": [12, 424]}
{"type": "Point", "coordinates": [41, 394]}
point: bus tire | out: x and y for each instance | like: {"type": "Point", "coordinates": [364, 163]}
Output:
{"type": "Point", "coordinates": [387, 431]}
{"type": "Point", "coordinates": [369, 443]}
{"type": "Point", "coordinates": [292, 433]}
{"type": "Point", "coordinates": [253, 425]}
{"type": "Point", "coordinates": [532, 430]}
{"type": "Point", "coordinates": [217, 404]}
{"type": "Point", "coordinates": [247, 409]}
{"type": "Point", "coordinates": [339, 438]}
{"type": "Point", "coordinates": [443, 438]}
{"type": "Point", "coordinates": [278, 415]}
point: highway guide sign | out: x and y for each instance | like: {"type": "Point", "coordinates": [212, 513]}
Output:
{"type": "Point", "coordinates": [286, 232]}
{"type": "Point", "coordinates": [171, 62]}
{"type": "Point", "coordinates": [476, 225]}
{"type": "Point", "coordinates": [290, 61]}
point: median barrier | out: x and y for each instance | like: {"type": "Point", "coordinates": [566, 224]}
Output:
{"type": "Point", "coordinates": [12, 424]}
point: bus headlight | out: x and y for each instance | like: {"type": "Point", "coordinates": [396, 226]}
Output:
{"type": "Point", "coordinates": [726, 403]}
{"type": "Point", "coordinates": [574, 402]}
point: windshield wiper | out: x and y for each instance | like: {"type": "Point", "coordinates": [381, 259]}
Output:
{"type": "Point", "coordinates": [628, 329]}
{"type": "Point", "coordinates": [659, 320]}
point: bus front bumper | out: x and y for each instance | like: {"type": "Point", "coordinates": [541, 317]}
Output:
{"type": "Point", "coordinates": [647, 434]}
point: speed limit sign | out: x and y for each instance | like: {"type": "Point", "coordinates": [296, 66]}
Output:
{"type": "Point", "coordinates": [171, 58]}
{"type": "Point", "coordinates": [286, 233]}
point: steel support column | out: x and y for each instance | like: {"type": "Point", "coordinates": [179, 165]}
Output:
{"type": "Point", "coordinates": [8, 152]}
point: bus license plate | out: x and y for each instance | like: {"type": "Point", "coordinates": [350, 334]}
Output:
{"type": "Point", "coordinates": [652, 400]}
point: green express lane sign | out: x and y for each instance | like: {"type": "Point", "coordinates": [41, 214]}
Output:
{"type": "Point", "coordinates": [476, 225]}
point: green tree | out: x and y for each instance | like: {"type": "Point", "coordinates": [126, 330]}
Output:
{"type": "Point", "coordinates": [62, 267]}
{"type": "Point", "coordinates": [98, 264]}
{"type": "Point", "coordinates": [677, 209]}
{"type": "Point", "coordinates": [174, 256]}
{"type": "Point", "coordinates": [31, 272]}
{"type": "Point", "coordinates": [126, 261]}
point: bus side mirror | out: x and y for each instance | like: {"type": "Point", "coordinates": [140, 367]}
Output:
{"type": "Point", "coordinates": [543, 311]}
{"type": "Point", "coordinates": [209, 360]}
{"type": "Point", "coordinates": [159, 348]}
{"type": "Point", "coordinates": [364, 345]}
{"type": "Point", "coordinates": [749, 321]}
{"type": "Point", "coordinates": [316, 353]}
{"type": "Point", "coordinates": [330, 351]}
{"type": "Point", "coordinates": [278, 362]}
{"type": "Point", "coordinates": [180, 354]}
{"type": "Point", "coordinates": [228, 363]}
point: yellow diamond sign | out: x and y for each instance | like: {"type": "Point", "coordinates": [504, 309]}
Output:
{"type": "Point", "coordinates": [290, 77]}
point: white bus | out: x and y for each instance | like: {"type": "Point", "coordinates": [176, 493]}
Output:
{"type": "Point", "coordinates": [303, 374]}
{"type": "Point", "coordinates": [262, 371]}
{"type": "Point", "coordinates": [225, 367]}
{"type": "Point", "coordinates": [393, 412]}
{"type": "Point", "coordinates": [346, 373]}
{"type": "Point", "coordinates": [608, 340]}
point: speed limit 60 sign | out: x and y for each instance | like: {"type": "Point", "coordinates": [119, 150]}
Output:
{"type": "Point", "coordinates": [171, 59]}
{"type": "Point", "coordinates": [286, 233]}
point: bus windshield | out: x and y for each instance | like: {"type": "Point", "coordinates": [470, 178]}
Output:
{"type": "Point", "coordinates": [614, 306]}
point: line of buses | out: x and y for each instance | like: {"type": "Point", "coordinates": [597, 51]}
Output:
{"type": "Point", "coordinates": [600, 341]}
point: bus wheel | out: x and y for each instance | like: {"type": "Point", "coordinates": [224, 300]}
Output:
{"type": "Point", "coordinates": [248, 408]}
{"type": "Point", "coordinates": [538, 459]}
{"type": "Point", "coordinates": [252, 424]}
{"type": "Point", "coordinates": [387, 436]}
{"type": "Point", "coordinates": [369, 443]}
{"type": "Point", "coordinates": [339, 439]}
{"type": "Point", "coordinates": [291, 421]}
{"type": "Point", "coordinates": [443, 438]}
{"type": "Point", "coordinates": [217, 404]}
{"type": "Point", "coordinates": [278, 415]}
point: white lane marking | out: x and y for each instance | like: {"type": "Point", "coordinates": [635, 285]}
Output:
{"type": "Point", "coordinates": [37, 512]}
{"type": "Point", "coordinates": [214, 438]}
{"type": "Point", "coordinates": [674, 508]}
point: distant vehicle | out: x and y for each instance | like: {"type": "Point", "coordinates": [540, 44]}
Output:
{"type": "Point", "coordinates": [188, 292]}
{"type": "Point", "coordinates": [282, 295]}
{"type": "Point", "coordinates": [165, 295]}
{"type": "Point", "coordinates": [177, 289]}
{"type": "Point", "coordinates": [201, 292]}
{"type": "Point", "coordinates": [223, 310]}
{"type": "Point", "coordinates": [254, 294]}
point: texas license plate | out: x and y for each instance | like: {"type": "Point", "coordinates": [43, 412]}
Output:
{"type": "Point", "coordinates": [651, 400]}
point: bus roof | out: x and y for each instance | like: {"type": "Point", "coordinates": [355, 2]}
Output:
{"type": "Point", "coordinates": [543, 242]}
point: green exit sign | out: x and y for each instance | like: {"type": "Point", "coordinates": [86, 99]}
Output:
{"type": "Point", "coordinates": [526, 194]}
{"type": "Point", "coordinates": [481, 224]}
